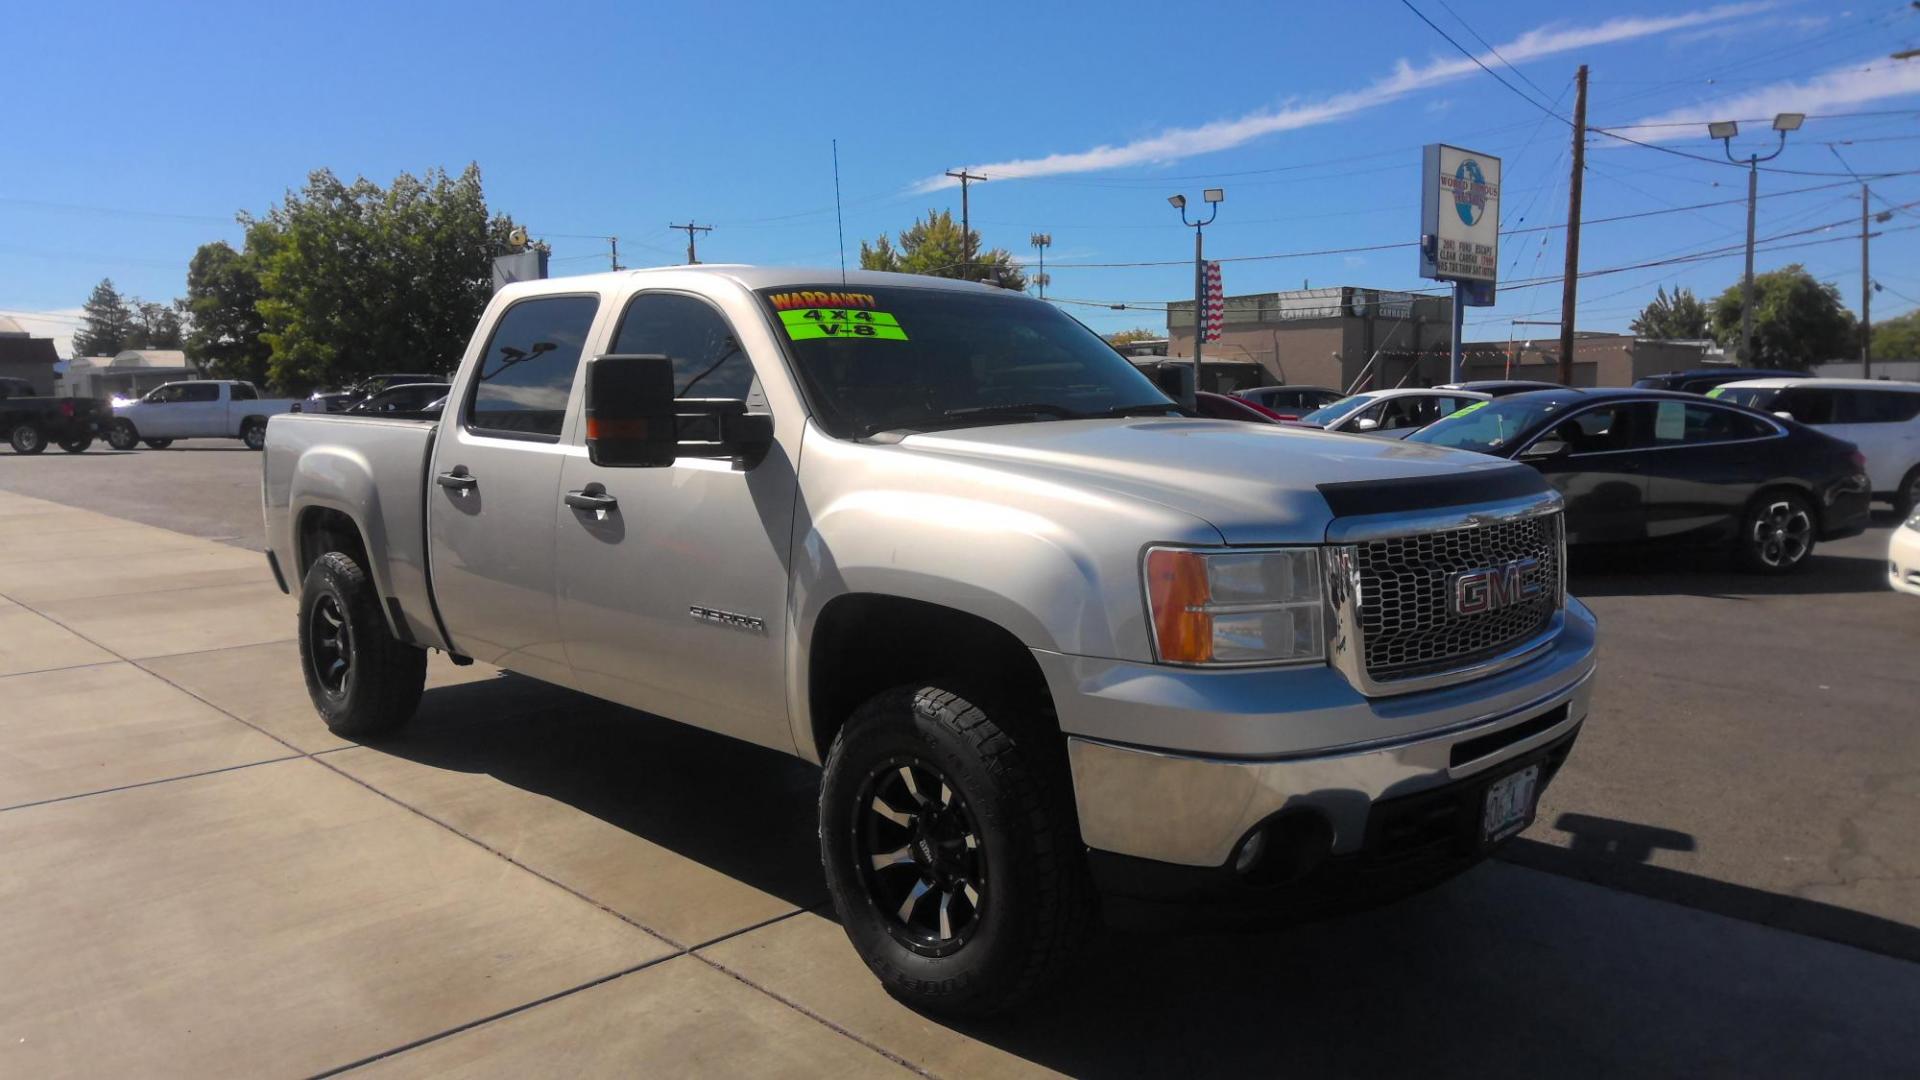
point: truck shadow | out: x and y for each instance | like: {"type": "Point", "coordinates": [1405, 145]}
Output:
{"type": "Point", "coordinates": [1504, 970]}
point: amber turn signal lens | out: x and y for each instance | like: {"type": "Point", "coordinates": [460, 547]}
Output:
{"type": "Point", "coordinates": [1177, 595]}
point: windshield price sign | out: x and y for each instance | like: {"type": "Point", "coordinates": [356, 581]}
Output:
{"type": "Point", "coordinates": [806, 324]}
{"type": "Point", "coordinates": [1460, 218]}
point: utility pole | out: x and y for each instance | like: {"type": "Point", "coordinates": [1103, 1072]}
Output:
{"type": "Point", "coordinates": [1570, 286]}
{"type": "Point", "coordinates": [613, 251]}
{"type": "Point", "coordinates": [1041, 242]}
{"type": "Point", "coordinates": [1866, 293]}
{"type": "Point", "coordinates": [692, 257]}
{"type": "Point", "coordinates": [966, 226]}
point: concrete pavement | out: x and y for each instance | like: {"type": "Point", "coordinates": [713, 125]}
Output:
{"type": "Point", "coordinates": [200, 879]}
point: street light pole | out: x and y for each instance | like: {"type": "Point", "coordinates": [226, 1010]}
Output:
{"type": "Point", "coordinates": [1725, 130]}
{"type": "Point", "coordinates": [1214, 197]}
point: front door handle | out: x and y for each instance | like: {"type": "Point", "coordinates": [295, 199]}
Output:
{"type": "Point", "coordinates": [457, 480]}
{"type": "Point", "coordinates": [591, 497]}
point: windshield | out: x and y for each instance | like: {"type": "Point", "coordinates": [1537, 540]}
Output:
{"type": "Point", "coordinates": [1327, 414]}
{"type": "Point", "coordinates": [876, 359]}
{"type": "Point", "coordinates": [1491, 427]}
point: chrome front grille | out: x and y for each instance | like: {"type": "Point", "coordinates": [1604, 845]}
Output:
{"type": "Point", "coordinates": [1405, 622]}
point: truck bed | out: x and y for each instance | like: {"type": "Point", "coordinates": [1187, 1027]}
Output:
{"type": "Point", "coordinates": [374, 470]}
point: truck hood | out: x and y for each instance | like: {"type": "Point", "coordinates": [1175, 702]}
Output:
{"type": "Point", "coordinates": [1255, 483]}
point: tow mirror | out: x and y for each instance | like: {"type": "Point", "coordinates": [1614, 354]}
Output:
{"type": "Point", "coordinates": [634, 420]}
{"type": "Point", "coordinates": [1545, 449]}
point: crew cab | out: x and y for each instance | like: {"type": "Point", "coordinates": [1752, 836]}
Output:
{"type": "Point", "coordinates": [1047, 634]}
{"type": "Point", "coordinates": [31, 421]}
{"type": "Point", "coordinates": [196, 409]}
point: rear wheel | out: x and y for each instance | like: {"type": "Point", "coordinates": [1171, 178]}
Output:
{"type": "Point", "coordinates": [1777, 534]}
{"type": "Point", "coordinates": [77, 445]}
{"type": "Point", "coordinates": [1907, 499]}
{"type": "Point", "coordinates": [951, 851]}
{"type": "Point", "coordinates": [254, 434]}
{"type": "Point", "coordinates": [361, 679]}
{"type": "Point", "coordinates": [27, 438]}
{"type": "Point", "coordinates": [159, 444]}
{"type": "Point", "coordinates": [122, 436]}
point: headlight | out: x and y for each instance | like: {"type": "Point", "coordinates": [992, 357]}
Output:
{"type": "Point", "coordinates": [1914, 521]}
{"type": "Point", "coordinates": [1236, 607]}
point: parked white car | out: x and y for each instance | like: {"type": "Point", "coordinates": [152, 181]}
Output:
{"type": "Point", "coordinates": [196, 409]}
{"type": "Point", "coordinates": [1391, 414]}
{"type": "Point", "coordinates": [1903, 556]}
{"type": "Point", "coordinates": [1880, 417]}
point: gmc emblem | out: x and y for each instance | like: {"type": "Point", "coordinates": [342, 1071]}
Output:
{"type": "Point", "coordinates": [1476, 592]}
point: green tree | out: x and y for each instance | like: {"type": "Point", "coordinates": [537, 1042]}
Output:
{"type": "Point", "coordinates": [1797, 321]}
{"type": "Point", "coordinates": [223, 296]}
{"type": "Point", "coordinates": [1128, 337]}
{"type": "Point", "coordinates": [156, 325]}
{"type": "Point", "coordinates": [1897, 338]}
{"type": "Point", "coordinates": [1682, 315]}
{"type": "Point", "coordinates": [933, 246]}
{"type": "Point", "coordinates": [357, 278]}
{"type": "Point", "coordinates": [106, 322]}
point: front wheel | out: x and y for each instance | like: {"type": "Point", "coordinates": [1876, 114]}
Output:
{"type": "Point", "coordinates": [78, 445]}
{"type": "Point", "coordinates": [159, 444]}
{"type": "Point", "coordinates": [361, 679]}
{"type": "Point", "coordinates": [1776, 537]}
{"type": "Point", "coordinates": [122, 436]}
{"type": "Point", "coordinates": [951, 851]}
{"type": "Point", "coordinates": [27, 438]}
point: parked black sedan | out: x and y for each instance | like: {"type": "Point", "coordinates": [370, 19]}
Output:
{"type": "Point", "coordinates": [1651, 465]}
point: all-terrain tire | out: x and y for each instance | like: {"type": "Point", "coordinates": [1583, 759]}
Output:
{"type": "Point", "coordinates": [362, 681]}
{"type": "Point", "coordinates": [254, 434]}
{"type": "Point", "coordinates": [961, 757]}
{"type": "Point", "coordinates": [27, 438]}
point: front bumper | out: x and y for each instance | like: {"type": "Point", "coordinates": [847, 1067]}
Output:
{"type": "Point", "coordinates": [1903, 560]}
{"type": "Point", "coordinates": [1179, 766]}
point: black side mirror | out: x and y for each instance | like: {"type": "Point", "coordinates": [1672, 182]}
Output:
{"type": "Point", "coordinates": [1546, 449]}
{"type": "Point", "coordinates": [634, 421]}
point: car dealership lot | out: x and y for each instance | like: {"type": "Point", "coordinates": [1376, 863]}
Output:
{"type": "Point", "coordinates": [202, 878]}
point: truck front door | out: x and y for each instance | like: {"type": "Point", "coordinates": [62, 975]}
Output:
{"type": "Point", "coordinates": [673, 598]}
{"type": "Point", "coordinates": [494, 481]}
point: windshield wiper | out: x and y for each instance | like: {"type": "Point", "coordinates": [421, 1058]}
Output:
{"type": "Point", "coordinates": [1148, 409]}
{"type": "Point", "coordinates": [1024, 408]}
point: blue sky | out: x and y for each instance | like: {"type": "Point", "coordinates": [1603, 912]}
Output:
{"type": "Point", "coordinates": [135, 132]}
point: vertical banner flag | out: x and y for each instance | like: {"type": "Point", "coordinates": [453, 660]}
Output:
{"type": "Point", "coordinates": [1215, 302]}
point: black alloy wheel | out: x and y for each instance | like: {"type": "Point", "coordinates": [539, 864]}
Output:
{"type": "Point", "coordinates": [330, 646]}
{"type": "Point", "coordinates": [920, 848]}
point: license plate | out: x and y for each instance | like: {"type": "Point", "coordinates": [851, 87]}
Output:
{"type": "Point", "coordinates": [1509, 804]}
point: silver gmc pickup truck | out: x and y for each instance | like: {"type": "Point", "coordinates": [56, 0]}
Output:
{"type": "Point", "coordinates": [1050, 637]}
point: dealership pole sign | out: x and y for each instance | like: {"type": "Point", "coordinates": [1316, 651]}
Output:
{"type": "Point", "coordinates": [1460, 221]}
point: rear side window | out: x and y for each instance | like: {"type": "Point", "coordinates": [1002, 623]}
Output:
{"type": "Point", "coordinates": [1875, 406]}
{"type": "Point", "coordinates": [1807, 404]}
{"type": "Point", "coordinates": [526, 373]}
{"type": "Point", "coordinates": [244, 392]}
{"type": "Point", "coordinates": [1678, 422]}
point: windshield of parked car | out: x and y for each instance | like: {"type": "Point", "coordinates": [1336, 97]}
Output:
{"type": "Point", "coordinates": [1491, 427]}
{"type": "Point", "coordinates": [874, 358]}
{"type": "Point", "coordinates": [1327, 414]}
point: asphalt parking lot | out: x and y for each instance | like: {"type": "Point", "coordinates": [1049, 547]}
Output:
{"type": "Point", "coordinates": [1724, 878]}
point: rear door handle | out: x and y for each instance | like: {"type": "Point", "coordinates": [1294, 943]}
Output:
{"type": "Point", "coordinates": [457, 480]}
{"type": "Point", "coordinates": [591, 497]}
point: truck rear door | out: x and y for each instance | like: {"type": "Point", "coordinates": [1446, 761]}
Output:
{"type": "Point", "coordinates": [495, 481]}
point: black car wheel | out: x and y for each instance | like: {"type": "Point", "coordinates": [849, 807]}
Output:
{"type": "Point", "coordinates": [78, 445]}
{"type": "Point", "coordinates": [1907, 499]}
{"type": "Point", "coordinates": [1777, 536]}
{"type": "Point", "coordinates": [27, 438]}
{"type": "Point", "coordinates": [951, 851]}
{"type": "Point", "coordinates": [361, 679]}
{"type": "Point", "coordinates": [159, 444]}
{"type": "Point", "coordinates": [122, 436]}
{"type": "Point", "coordinates": [254, 434]}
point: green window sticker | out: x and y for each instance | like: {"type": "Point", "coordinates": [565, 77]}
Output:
{"type": "Point", "coordinates": [807, 324]}
{"type": "Point", "coordinates": [1716, 391]}
{"type": "Point", "coordinates": [1464, 411]}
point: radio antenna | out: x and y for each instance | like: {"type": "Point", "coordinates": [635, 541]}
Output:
{"type": "Point", "coordinates": [838, 223]}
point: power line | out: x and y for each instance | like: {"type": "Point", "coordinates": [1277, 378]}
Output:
{"type": "Point", "coordinates": [1464, 51]}
{"type": "Point", "coordinates": [1489, 47]}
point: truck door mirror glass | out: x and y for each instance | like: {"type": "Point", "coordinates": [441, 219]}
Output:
{"type": "Point", "coordinates": [632, 421]}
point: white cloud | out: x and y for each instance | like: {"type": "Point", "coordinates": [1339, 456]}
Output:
{"type": "Point", "coordinates": [1854, 84]}
{"type": "Point", "coordinates": [58, 325]}
{"type": "Point", "coordinates": [1177, 143]}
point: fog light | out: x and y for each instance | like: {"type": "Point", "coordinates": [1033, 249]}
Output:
{"type": "Point", "coordinates": [1250, 852]}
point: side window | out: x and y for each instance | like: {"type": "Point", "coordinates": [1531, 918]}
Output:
{"type": "Point", "coordinates": [526, 372]}
{"type": "Point", "coordinates": [165, 395]}
{"type": "Point", "coordinates": [244, 392]}
{"type": "Point", "coordinates": [1809, 405]}
{"type": "Point", "coordinates": [199, 391]}
{"type": "Point", "coordinates": [1875, 406]}
{"type": "Point", "coordinates": [1677, 422]}
{"type": "Point", "coordinates": [1376, 413]}
{"type": "Point", "coordinates": [1603, 429]}
{"type": "Point", "coordinates": [707, 360]}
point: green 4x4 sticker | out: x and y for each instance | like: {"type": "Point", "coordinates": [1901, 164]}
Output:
{"type": "Point", "coordinates": [1465, 409]}
{"type": "Point", "coordinates": [807, 324]}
